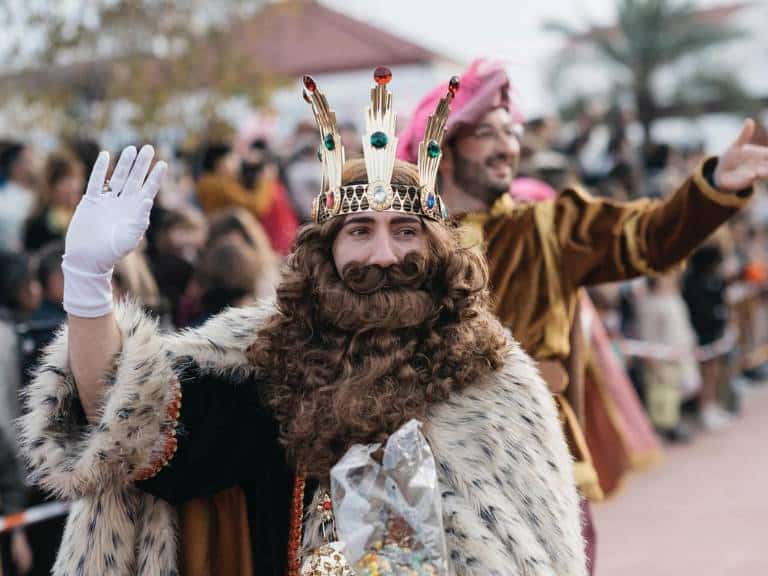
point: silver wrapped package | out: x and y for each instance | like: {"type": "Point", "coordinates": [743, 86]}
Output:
{"type": "Point", "coordinates": [389, 514]}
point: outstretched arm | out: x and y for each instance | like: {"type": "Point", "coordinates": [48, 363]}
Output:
{"type": "Point", "coordinates": [604, 241]}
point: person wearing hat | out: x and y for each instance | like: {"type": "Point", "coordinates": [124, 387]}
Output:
{"type": "Point", "coordinates": [540, 255]}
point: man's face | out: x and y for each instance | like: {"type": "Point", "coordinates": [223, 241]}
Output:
{"type": "Point", "coordinates": [378, 238]}
{"type": "Point", "coordinates": [485, 156]}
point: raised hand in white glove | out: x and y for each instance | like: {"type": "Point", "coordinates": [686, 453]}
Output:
{"type": "Point", "coordinates": [108, 224]}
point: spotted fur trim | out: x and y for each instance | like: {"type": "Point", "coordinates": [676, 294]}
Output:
{"type": "Point", "coordinates": [510, 505]}
{"type": "Point", "coordinates": [71, 458]}
{"type": "Point", "coordinates": [509, 501]}
{"type": "Point", "coordinates": [114, 528]}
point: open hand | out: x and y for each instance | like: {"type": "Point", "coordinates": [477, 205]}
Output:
{"type": "Point", "coordinates": [742, 163]}
{"type": "Point", "coordinates": [107, 225]}
{"type": "Point", "coordinates": [114, 214]}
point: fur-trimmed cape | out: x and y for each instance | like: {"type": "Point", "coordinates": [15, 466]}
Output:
{"type": "Point", "coordinates": [510, 506]}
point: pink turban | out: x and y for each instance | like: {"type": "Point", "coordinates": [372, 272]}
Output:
{"type": "Point", "coordinates": [484, 86]}
{"type": "Point", "coordinates": [531, 190]}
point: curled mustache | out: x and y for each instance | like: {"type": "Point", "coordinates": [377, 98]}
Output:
{"type": "Point", "coordinates": [411, 273]}
{"type": "Point", "coordinates": [368, 297]}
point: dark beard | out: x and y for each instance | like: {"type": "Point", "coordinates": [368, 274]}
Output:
{"type": "Point", "coordinates": [471, 177]}
{"type": "Point", "coordinates": [375, 298]}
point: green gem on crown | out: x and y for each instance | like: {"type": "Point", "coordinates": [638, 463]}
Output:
{"type": "Point", "coordinates": [378, 140]}
{"type": "Point", "coordinates": [329, 142]}
{"type": "Point", "coordinates": [433, 149]}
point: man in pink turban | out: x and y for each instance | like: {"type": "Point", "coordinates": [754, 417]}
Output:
{"type": "Point", "coordinates": [541, 254]}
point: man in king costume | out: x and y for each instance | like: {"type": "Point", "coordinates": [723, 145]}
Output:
{"type": "Point", "coordinates": [540, 255]}
{"type": "Point", "coordinates": [381, 317]}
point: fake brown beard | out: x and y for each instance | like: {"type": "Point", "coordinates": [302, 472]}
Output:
{"type": "Point", "coordinates": [369, 297]}
{"type": "Point", "coordinates": [350, 360]}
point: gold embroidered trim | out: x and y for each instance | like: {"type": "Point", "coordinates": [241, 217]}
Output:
{"type": "Point", "coordinates": [167, 448]}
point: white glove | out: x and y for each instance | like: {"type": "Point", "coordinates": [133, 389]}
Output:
{"type": "Point", "coordinates": [106, 226]}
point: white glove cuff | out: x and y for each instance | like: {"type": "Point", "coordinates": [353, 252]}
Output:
{"type": "Point", "coordinates": [87, 295]}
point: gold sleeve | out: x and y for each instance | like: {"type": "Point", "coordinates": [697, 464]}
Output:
{"type": "Point", "coordinates": [605, 241]}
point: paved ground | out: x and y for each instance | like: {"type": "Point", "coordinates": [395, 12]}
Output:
{"type": "Point", "coordinates": [702, 512]}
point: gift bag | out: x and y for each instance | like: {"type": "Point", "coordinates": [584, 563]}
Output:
{"type": "Point", "coordinates": [389, 513]}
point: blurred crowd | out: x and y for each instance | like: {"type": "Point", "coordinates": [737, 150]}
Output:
{"type": "Point", "coordinates": [692, 341]}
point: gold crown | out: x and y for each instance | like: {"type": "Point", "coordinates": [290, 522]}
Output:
{"type": "Point", "coordinates": [379, 151]}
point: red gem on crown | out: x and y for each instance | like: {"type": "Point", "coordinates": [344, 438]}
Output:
{"type": "Point", "coordinates": [330, 201]}
{"type": "Point", "coordinates": [382, 75]}
{"type": "Point", "coordinates": [309, 83]}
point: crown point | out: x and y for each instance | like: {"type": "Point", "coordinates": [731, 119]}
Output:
{"type": "Point", "coordinates": [453, 85]}
{"type": "Point", "coordinates": [309, 83]}
{"type": "Point", "coordinates": [382, 75]}
{"type": "Point", "coordinates": [306, 97]}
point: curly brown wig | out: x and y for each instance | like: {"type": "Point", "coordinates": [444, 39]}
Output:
{"type": "Point", "coordinates": [350, 358]}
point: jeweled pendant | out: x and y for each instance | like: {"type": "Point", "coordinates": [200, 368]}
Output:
{"type": "Point", "coordinates": [378, 140]}
{"type": "Point", "coordinates": [329, 142]}
{"type": "Point", "coordinates": [326, 560]}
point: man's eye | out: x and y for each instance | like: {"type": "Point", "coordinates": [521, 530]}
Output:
{"type": "Point", "coordinates": [358, 232]}
{"type": "Point", "coordinates": [407, 232]}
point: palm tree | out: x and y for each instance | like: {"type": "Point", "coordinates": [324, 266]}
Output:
{"type": "Point", "coordinates": [651, 35]}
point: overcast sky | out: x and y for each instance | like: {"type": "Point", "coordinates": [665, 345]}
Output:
{"type": "Point", "coordinates": [510, 29]}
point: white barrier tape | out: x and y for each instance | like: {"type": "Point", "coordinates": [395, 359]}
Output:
{"type": "Point", "coordinates": [650, 350]}
{"type": "Point", "coordinates": [33, 515]}
{"type": "Point", "coordinates": [656, 351]}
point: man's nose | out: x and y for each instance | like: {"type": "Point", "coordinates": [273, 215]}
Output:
{"type": "Point", "coordinates": [383, 253]}
{"type": "Point", "coordinates": [508, 145]}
